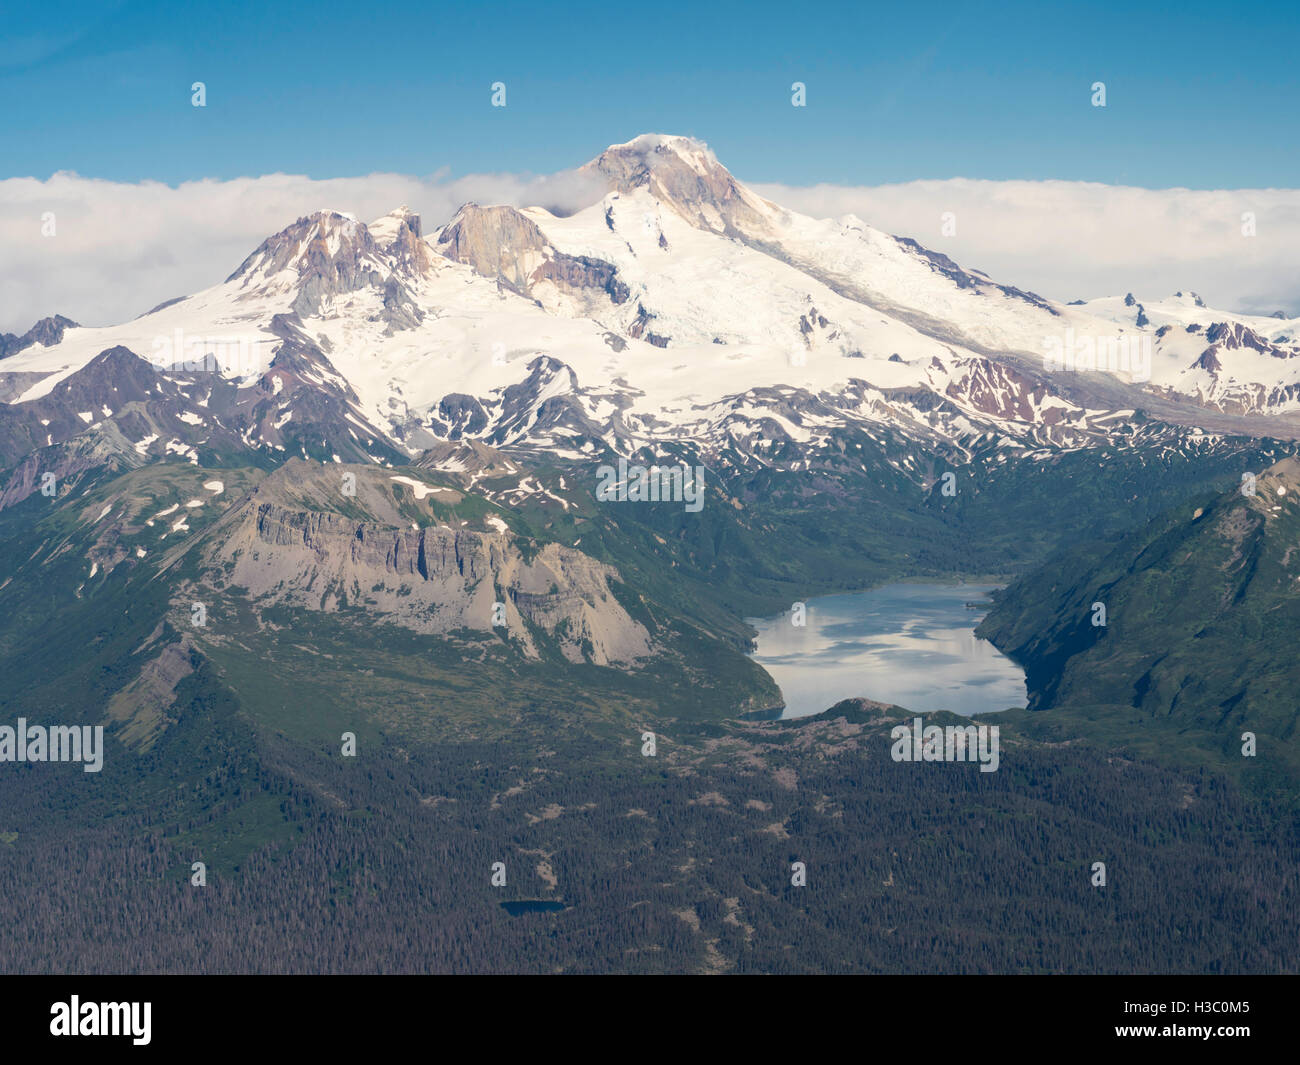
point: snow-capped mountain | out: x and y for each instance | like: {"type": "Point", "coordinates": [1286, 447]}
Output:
{"type": "Point", "coordinates": [47, 332]}
{"type": "Point", "coordinates": [1229, 362]}
{"type": "Point", "coordinates": [680, 309]}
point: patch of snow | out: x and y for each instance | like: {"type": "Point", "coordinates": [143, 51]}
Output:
{"type": "Point", "coordinates": [419, 487]}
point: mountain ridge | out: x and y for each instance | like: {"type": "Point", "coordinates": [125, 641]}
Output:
{"type": "Point", "coordinates": [395, 314]}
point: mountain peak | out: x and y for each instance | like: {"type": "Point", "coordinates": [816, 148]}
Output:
{"type": "Point", "coordinates": [47, 332]}
{"type": "Point", "coordinates": [684, 174]}
{"type": "Point", "coordinates": [398, 216]}
{"type": "Point", "coordinates": [400, 231]}
{"type": "Point", "coordinates": [663, 143]}
{"type": "Point", "coordinates": [633, 163]}
{"type": "Point", "coordinates": [330, 253]}
{"type": "Point", "coordinates": [304, 244]}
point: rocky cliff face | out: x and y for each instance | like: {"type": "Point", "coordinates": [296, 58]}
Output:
{"type": "Point", "coordinates": [503, 243]}
{"type": "Point", "coordinates": [433, 578]}
{"type": "Point", "coordinates": [400, 236]}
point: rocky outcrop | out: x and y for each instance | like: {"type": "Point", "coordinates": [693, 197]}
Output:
{"type": "Point", "coordinates": [504, 244]}
{"type": "Point", "coordinates": [399, 235]}
{"type": "Point", "coordinates": [1232, 335]}
{"type": "Point", "coordinates": [329, 254]}
{"type": "Point", "coordinates": [47, 332]}
{"type": "Point", "coordinates": [686, 176]}
{"type": "Point", "coordinates": [141, 708]}
{"type": "Point", "coordinates": [1208, 361]}
{"type": "Point", "coordinates": [434, 579]}
{"type": "Point", "coordinates": [639, 329]}
{"type": "Point", "coordinates": [942, 264]}
{"type": "Point", "coordinates": [459, 415]}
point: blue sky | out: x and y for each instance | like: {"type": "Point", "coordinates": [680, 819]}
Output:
{"type": "Point", "coordinates": [1202, 95]}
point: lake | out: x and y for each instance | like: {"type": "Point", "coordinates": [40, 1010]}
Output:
{"type": "Point", "coordinates": [515, 907]}
{"type": "Point", "coordinates": [909, 644]}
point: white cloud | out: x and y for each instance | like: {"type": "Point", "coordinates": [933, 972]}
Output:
{"type": "Point", "coordinates": [120, 249]}
{"type": "Point", "coordinates": [1077, 240]}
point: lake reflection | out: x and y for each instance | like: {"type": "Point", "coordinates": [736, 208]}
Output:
{"type": "Point", "coordinates": [909, 644]}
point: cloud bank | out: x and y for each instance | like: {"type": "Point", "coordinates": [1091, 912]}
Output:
{"type": "Point", "coordinates": [119, 249]}
{"type": "Point", "coordinates": [1078, 240]}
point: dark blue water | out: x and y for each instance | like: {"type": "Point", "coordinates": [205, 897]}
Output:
{"type": "Point", "coordinates": [520, 906]}
{"type": "Point", "coordinates": [909, 644]}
